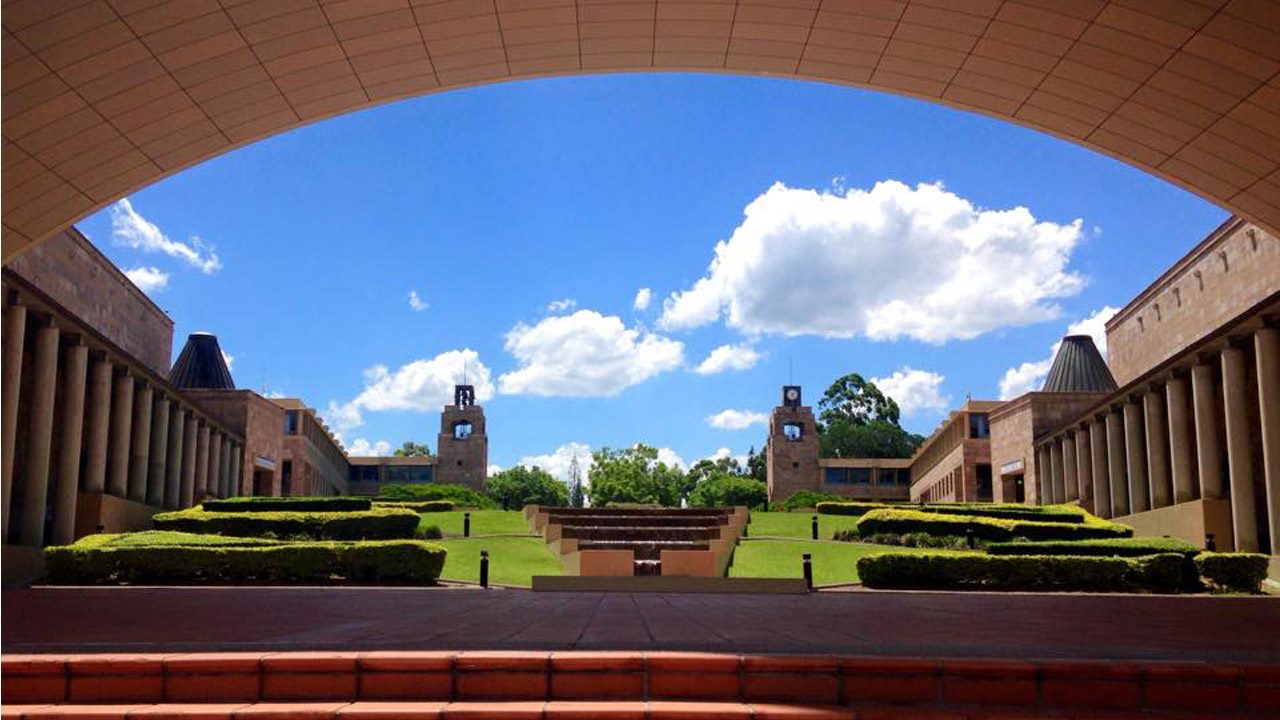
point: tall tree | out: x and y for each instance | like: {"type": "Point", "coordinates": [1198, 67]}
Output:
{"type": "Point", "coordinates": [634, 475]}
{"type": "Point", "coordinates": [519, 486]}
{"type": "Point", "coordinates": [577, 498]}
{"type": "Point", "coordinates": [758, 462]}
{"type": "Point", "coordinates": [412, 449]}
{"type": "Point", "coordinates": [856, 400]}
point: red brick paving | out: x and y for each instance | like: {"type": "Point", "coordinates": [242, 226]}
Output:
{"type": "Point", "coordinates": [935, 625]}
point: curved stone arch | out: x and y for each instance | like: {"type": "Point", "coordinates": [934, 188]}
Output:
{"type": "Point", "coordinates": [103, 97]}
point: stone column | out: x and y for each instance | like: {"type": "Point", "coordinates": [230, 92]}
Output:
{"type": "Point", "coordinates": [1136, 458]}
{"type": "Point", "coordinates": [1084, 469]}
{"type": "Point", "coordinates": [1070, 480]}
{"type": "Point", "coordinates": [1208, 445]}
{"type": "Point", "coordinates": [215, 464]}
{"type": "Point", "coordinates": [1182, 464]}
{"type": "Point", "coordinates": [140, 454]}
{"type": "Point", "coordinates": [224, 467]}
{"type": "Point", "coordinates": [190, 433]}
{"type": "Point", "coordinates": [1157, 453]}
{"type": "Point", "coordinates": [15, 336]}
{"type": "Point", "coordinates": [97, 425]}
{"type": "Point", "coordinates": [1235, 393]}
{"type": "Point", "coordinates": [120, 436]}
{"type": "Point", "coordinates": [1055, 460]}
{"type": "Point", "coordinates": [39, 414]}
{"type": "Point", "coordinates": [157, 464]}
{"type": "Point", "coordinates": [1116, 466]}
{"type": "Point", "coordinates": [68, 480]}
{"type": "Point", "coordinates": [1101, 475]}
{"type": "Point", "coordinates": [202, 462]}
{"type": "Point", "coordinates": [1267, 349]}
{"type": "Point", "coordinates": [237, 470]}
{"type": "Point", "coordinates": [173, 461]}
{"type": "Point", "coordinates": [1044, 493]}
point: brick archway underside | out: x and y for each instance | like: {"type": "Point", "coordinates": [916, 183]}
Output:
{"type": "Point", "coordinates": [102, 97]}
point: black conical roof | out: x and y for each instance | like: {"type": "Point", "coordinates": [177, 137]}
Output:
{"type": "Point", "coordinates": [1079, 367]}
{"type": "Point", "coordinates": [201, 365]}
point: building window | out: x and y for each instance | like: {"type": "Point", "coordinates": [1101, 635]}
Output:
{"type": "Point", "coordinates": [401, 474]}
{"type": "Point", "coordinates": [286, 478]}
{"type": "Point", "coordinates": [461, 430]}
{"type": "Point", "coordinates": [848, 476]}
{"type": "Point", "coordinates": [904, 476]}
{"type": "Point", "coordinates": [291, 422]}
{"type": "Point", "coordinates": [984, 483]}
{"type": "Point", "coordinates": [979, 426]}
{"type": "Point", "coordinates": [793, 431]}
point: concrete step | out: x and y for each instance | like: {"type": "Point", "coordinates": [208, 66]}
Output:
{"type": "Point", "coordinates": [640, 534]}
{"type": "Point", "coordinates": [640, 520]}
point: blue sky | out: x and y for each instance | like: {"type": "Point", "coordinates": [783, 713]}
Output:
{"type": "Point", "coordinates": [882, 238]}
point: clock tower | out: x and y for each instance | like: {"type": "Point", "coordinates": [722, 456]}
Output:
{"type": "Point", "coordinates": [793, 447]}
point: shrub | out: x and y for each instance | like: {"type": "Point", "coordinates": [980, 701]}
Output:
{"type": "Point", "coordinates": [459, 495]}
{"type": "Point", "coordinates": [974, 571]}
{"type": "Point", "coordinates": [430, 532]}
{"type": "Point", "coordinates": [879, 522]}
{"type": "Point", "coordinates": [377, 524]}
{"type": "Point", "coordinates": [1235, 572]}
{"type": "Point", "coordinates": [391, 561]}
{"type": "Point", "coordinates": [920, 540]}
{"type": "Point", "coordinates": [1117, 547]}
{"type": "Point", "coordinates": [287, 504]}
{"type": "Point", "coordinates": [421, 506]}
{"type": "Point", "coordinates": [1035, 513]}
{"type": "Point", "coordinates": [804, 499]}
{"type": "Point", "coordinates": [846, 507]}
{"type": "Point", "coordinates": [724, 490]}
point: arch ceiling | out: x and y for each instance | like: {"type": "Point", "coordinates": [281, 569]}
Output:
{"type": "Point", "coordinates": [102, 97]}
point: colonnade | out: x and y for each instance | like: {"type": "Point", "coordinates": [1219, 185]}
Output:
{"type": "Point", "coordinates": [1197, 432]}
{"type": "Point", "coordinates": [94, 424]}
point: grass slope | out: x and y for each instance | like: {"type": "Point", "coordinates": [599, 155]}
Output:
{"type": "Point", "coordinates": [797, 524]}
{"type": "Point", "coordinates": [832, 562]}
{"type": "Point", "coordinates": [512, 560]}
{"type": "Point", "coordinates": [483, 522]}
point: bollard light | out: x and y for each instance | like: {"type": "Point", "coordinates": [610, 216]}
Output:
{"type": "Point", "coordinates": [815, 527]}
{"type": "Point", "coordinates": [968, 536]}
{"type": "Point", "coordinates": [466, 524]}
{"type": "Point", "coordinates": [807, 561]}
{"type": "Point", "coordinates": [484, 568]}
{"type": "Point", "coordinates": [1210, 544]}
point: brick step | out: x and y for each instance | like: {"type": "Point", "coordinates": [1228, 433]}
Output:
{"type": "Point", "coordinates": [638, 534]}
{"type": "Point", "coordinates": [1035, 688]}
{"type": "Point", "coordinates": [640, 520]}
{"type": "Point", "coordinates": [649, 512]}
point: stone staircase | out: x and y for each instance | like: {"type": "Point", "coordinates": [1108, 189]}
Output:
{"type": "Point", "coordinates": [540, 685]}
{"type": "Point", "coordinates": [696, 542]}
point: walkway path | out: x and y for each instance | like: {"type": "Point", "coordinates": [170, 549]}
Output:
{"type": "Point", "coordinates": [860, 623]}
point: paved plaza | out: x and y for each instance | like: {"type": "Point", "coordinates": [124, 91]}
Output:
{"type": "Point", "coordinates": [1026, 626]}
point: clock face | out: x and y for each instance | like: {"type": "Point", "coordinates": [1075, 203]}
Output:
{"type": "Point", "coordinates": [793, 394]}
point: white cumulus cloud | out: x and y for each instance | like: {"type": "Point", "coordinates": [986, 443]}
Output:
{"type": "Point", "coordinates": [130, 229]}
{"type": "Point", "coordinates": [1029, 376]}
{"type": "Point", "coordinates": [229, 359]}
{"type": "Point", "coordinates": [914, 390]}
{"type": "Point", "coordinates": [585, 354]}
{"type": "Point", "coordinates": [557, 462]}
{"type": "Point", "coordinates": [563, 305]}
{"type": "Point", "coordinates": [886, 263]}
{"type": "Point", "coordinates": [364, 448]}
{"type": "Point", "coordinates": [148, 279]}
{"type": "Point", "coordinates": [493, 469]}
{"type": "Point", "coordinates": [671, 458]}
{"type": "Point", "coordinates": [729, 357]}
{"type": "Point", "coordinates": [644, 296]}
{"type": "Point", "coordinates": [737, 419]}
{"type": "Point", "coordinates": [422, 385]}
{"type": "Point", "coordinates": [416, 302]}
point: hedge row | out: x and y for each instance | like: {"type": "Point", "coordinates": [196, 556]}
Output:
{"type": "Point", "coordinates": [376, 524]}
{"type": "Point", "coordinates": [804, 499]}
{"type": "Point", "coordinates": [1043, 513]}
{"type": "Point", "coordinates": [1153, 573]}
{"type": "Point", "coordinates": [899, 522]}
{"type": "Point", "coordinates": [1236, 572]}
{"type": "Point", "coordinates": [1118, 547]}
{"type": "Point", "coordinates": [288, 504]}
{"type": "Point", "coordinates": [386, 561]}
{"type": "Point", "coordinates": [419, 506]}
{"type": "Point", "coordinates": [459, 495]}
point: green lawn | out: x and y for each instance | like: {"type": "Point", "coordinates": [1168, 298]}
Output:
{"type": "Point", "coordinates": [512, 560]}
{"type": "Point", "coordinates": [832, 562]}
{"type": "Point", "coordinates": [483, 522]}
{"type": "Point", "coordinates": [797, 525]}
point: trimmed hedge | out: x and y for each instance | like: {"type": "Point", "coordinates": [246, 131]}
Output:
{"type": "Point", "coordinates": [804, 499]}
{"type": "Point", "coordinates": [1041, 513]}
{"type": "Point", "coordinates": [376, 524]}
{"type": "Point", "coordinates": [422, 506]}
{"type": "Point", "coordinates": [459, 495]}
{"type": "Point", "coordinates": [288, 504]}
{"type": "Point", "coordinates": [974, 571]}
{"type": "Point", "coordinates": [1235, 572]}
{"type": "Point", "coordinates": [386, 561]}
{"type": "Point", "coordinates": [1118, 547]}
{"type": "Point", "coordinates": [900, 522]}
